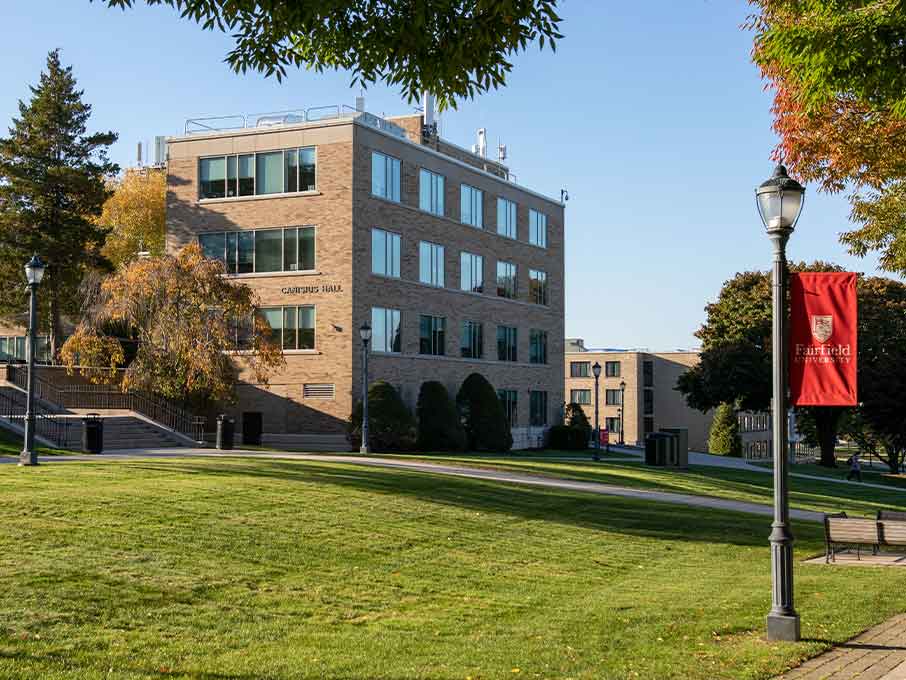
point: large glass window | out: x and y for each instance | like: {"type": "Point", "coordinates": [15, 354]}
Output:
{"type": "Point", "coordinates": [431, 264]}
{"type": "Point", "coordinates": [537, 228]}
{"type": "Point", "coordinates": [385, 329]}
{"type": "Point", "coordinates": [537, 346]}
{"type": "Point", "coordinates": [262, 250]}
{"type": "Point", "coordinates": [579, 369]}
{"type": "Point", "coordinates": [538, 286]}
{"type": "Point", "coordinates": [508, 399]}
{"type": "Point", "coordinates": [612, 369]}
{"type": "Point", "coordinates": [385, 176]}
{"type": "Point", "coordinates": [537, 408]}
{"type": "Point", "coordinates": [506, 218]}
{"type": "Point", "coordinates": [472, 341]}
{"type": "Point", "coordinates": [506, 343]}
{"type": "Point", "coordinates": [471, 204]}
{"type": "Point", "coordinates": [580, 397]}
{"type": "Point", "coordinates": [212, 177]}
{"type": "Point", "coordinates": [291, 327]}
{"type": "Point", "coordinates": [648, 374]}
{"type": "Point", "coordinates": [612, 424]}
{"type": "Point", "coordinates": [506, 279]}
{"type": "Point", "coordinates": [432, 335]}
{"type": "Point", "coordinates": [471, 272]}
{"type": "Point", "coordinates": [271, 172]}
{"type": "Point", "coordinates": [385, 253]}
{"type": "Point", "coordinates": [431, 192]}
{"type": "Point", "coordinates": [648, 402]}
{"type": "Point", "coordinates": [612, 397]}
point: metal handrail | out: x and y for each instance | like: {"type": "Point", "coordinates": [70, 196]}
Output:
{"type": "Point", "coordinates": [51, 426]}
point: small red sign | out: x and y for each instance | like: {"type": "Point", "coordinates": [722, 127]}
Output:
{"type": "Point", "coordinates": [605, 437]}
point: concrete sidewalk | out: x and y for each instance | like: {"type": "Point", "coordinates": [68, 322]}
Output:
{"type": "Point", "coordinates": [490, 475]}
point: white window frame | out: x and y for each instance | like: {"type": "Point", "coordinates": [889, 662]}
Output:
{"type": "Point", "coordinates": [392, 169]}
{"type": "Point", "coordinates": [537, 228]}
{"type": "Point", "coordinates": [435, 192]}
{"type": "Point", "coordinates": [473, 197]}
{"type": "Point", "coordinates": [507, 210]}
{"type": "Point", "coordinates": [392, 252]}
{"type": "Point", "coordinates": [435, 254]}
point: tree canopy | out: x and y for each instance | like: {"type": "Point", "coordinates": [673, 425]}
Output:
{"type": "Point", "coordinates": [838, 70]}
{"type": "Point", "coordinates": [135, 216]}
{"type": "Point", "coordinates": [451, 49]}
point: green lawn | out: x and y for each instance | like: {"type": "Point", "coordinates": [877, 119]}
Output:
{"type": "Point", "coordinates": [11, 445]}
{"type": "Point", "coordinates": [216, 569]}
{"type": "Point", "coordinates": [700, 480]}
{"type": "Point", "coordinates": [839, 472]}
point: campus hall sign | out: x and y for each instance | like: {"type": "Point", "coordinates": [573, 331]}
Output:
{"type": "Point", "coordinates": [308, 290]}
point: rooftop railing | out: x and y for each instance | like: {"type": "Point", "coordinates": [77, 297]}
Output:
{"type": "Point", "coordinates": [200, 126]}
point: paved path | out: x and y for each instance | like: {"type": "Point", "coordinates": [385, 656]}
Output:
{"type": "Point", "coordinates": [456, 471]}
{"type": "Point", "coordinates": [877, 654]}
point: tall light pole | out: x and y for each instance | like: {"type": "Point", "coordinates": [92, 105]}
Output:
{"type": "Point", "coordinates": [779, 202]}
{"type": "Point", "coordinates": [34, 272]}
{"type": "Point", "coordinates": [596, 369]}
{"type": "Point", "coordinates": [365, 334]}
{"type": "Point", "coordinates": [622, 410]}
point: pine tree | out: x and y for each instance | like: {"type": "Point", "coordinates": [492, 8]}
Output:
{"type": "Point", "coordinates": [52, 188]}
{"type": "Point", "coordinates": [724, 439]}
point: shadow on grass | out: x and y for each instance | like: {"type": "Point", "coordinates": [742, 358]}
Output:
{"type": "Point", "coordinates": [604, 513]}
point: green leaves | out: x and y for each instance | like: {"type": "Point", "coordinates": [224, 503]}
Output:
{"type": "Point", "coordinates": [450, 48]}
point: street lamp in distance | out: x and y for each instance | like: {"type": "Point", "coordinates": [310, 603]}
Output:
{"type": "Point", "coordinates": [622, 410]}
{"type": "Point", "coordinates": [34, 272]}
{"type": "Point", "coordinates": [365, 335]}
{"type": "Point", "coordinates": [779, 201]}
{"type": "Point", "coordinates": [596, 370]}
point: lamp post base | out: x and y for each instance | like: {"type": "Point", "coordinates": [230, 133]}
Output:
{"type": "Point", "coordinates": [364, 449]}
{"type": "Point", "coordinates": [28, 458]}
{"type": "Point", "coordinates": [783, 627]}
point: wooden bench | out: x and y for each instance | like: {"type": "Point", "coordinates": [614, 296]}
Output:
{"type": "Point", "coordinates": [893, 515]}
{"type": "Point", "coordinates": [842, 530]}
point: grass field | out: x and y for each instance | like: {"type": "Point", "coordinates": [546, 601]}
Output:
{"type": "Point", "coordinates": [275, 569]}
{"type": "Point", "coordinates": [743, 485]}
{"type": "Point", "coordinates": [11, 445]}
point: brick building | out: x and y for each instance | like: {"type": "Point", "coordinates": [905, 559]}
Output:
{"type": "Point", "coordinates": [648, 399]}
{"type": "Point", "coordinates": [345, 218]}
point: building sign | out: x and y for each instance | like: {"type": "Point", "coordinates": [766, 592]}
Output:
{"type": "Point", "coordinates": [308, 290]}
{"type": "Point", "coordinates": [823, 339]}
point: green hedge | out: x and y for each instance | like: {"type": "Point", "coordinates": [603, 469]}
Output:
{"type": "Point", "coordinates": [439, 428]}
{"type": "Point", "coordinates": [391, 426]}
{"type": "Point", "coordinates": [482, 416]}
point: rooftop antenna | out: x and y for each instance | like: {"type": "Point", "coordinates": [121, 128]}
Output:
{"type": "Point", "coordinates": [139, 155]}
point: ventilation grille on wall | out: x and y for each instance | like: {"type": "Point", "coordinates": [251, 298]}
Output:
{"type": "Point", "coordinates": [318, 391]}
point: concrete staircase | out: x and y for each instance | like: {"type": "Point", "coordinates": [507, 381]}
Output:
{"type": "Point", "coordinates": [134, 432]}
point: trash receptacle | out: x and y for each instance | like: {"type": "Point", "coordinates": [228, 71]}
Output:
{"type": "Point", "coordinates": [92, 433]}
{"type": "Point", "coordinates": [656, 448]}
{"type": "Point", "coordinates": [251, 428]}
{"type": "Point", "coordinates": [225, 429]}
{"type": "Point", "coordinates": [682, 443]}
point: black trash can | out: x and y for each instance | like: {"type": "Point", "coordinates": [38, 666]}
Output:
{"type": "Point", "coordinates": [225, 430]}
{"type": "Point", "coordinates": [251, 428]}
{"type": "Point", "coordinates": [656, 448]}
{"type": "Point", "coordinates": [92, 433]}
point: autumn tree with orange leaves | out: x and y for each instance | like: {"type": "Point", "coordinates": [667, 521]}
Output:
{"type": "Point", "coordinates": [189, 322]}
{"type": "Point", "coordinates": [838, 71]}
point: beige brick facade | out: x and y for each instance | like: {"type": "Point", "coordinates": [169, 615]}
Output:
{"type": "Point", "coordinates": [666, 407]}
{"type": "Point", "coordinates": [343, 288]}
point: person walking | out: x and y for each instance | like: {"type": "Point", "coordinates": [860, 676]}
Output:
{"type": "Point", "coordinates": [855, 468]}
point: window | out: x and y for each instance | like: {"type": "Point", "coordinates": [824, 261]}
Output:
{"type": "Point", "coordinates": [431, 192]}
{"type": "Point", "coordinates": [648, 425]}
{"type": "Point", "coordinates": [471, 272]}
{"type": "Point", "coordinates": [506, 218]}
{"type": "Point", "coordinates": [612, 397]}
{"type": "Point", "coordinates": [506, 343]}
{"type": "Point", "coordinates": [647, 374]}
{"type": "Point", "coordinates": [385, 253]}
{"type": "Point", "coordinates": [471, 204]}
{"type": "Point", "coordinates": [257, 174]}
{"type": "Point", "coordinates": [537, 346]}
{"type": "Point", "coordinates": [612, 424]}
{"type": "Point", "coordinates": [472, 342]}
{"type": "Point", "coordinates": [432, 334]}
{"type": "Point", "coordinates": [537, 408]}
{"type": "Point", "coordinates": [431, 264]}
{"type": "Point", "coordinates": [538, 287]}
{"type": "Point", "coordinates": [12, 349]}
{"type": "Point", "coordinates": [579, 369]}
{"type": "Point", "coordinates": [506, 279]}
{"type": "Point", "coordinates": [510, 407]}
{"type": "Point", "coordinates": [611, 369]}
{"type": "Point", "coordinates": [580, 397]}
{"type": "Point", "coordinates": [537, 228]}
{"type": "Point", "coordinates": [385, 176]}
{"type": "Point", "coordinates": [385, 330]}
{"type": "Point", "coordinates": [291, 327]}
{"type": "Point", "coordinates": [262, 250]}
{"type": "Point", "coordinates": [648, 396]}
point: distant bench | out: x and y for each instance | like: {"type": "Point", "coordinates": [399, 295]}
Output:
{"type": "Point", "coordinates": [888, 529]}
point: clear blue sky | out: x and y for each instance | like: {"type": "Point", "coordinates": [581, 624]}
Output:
{"type": "Point", "coordinates": [650, 113]}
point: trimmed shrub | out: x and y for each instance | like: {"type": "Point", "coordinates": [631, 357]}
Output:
{"type": "Point", "coordinates": [391, 426]}
{"type": "Point", "coordinates": [482, 416]}
{"type": "Point", "coordinates": [575, 418]}
{"type": "Point", "coordinates": [439, 428]}
{"type": "Point", "coordinates": [567, 438]}
{"type": "Point", "coordinates": [724, 438]}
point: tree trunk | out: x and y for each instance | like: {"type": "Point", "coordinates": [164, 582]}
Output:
{"type": "Point", "coordinates": [826, 420]}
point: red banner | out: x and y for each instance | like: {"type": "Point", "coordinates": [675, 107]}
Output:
{"type": "Point", "coordinates": [823, 339]}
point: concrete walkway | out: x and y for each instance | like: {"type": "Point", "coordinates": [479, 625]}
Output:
{"type": "Point", "coordinates": [877, 654]}
{"type": "Point", "coordinates": [455, 471]}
